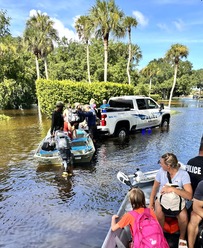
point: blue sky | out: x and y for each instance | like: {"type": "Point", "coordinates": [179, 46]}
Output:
{"type": "Point", "coordinates": [161, 23]}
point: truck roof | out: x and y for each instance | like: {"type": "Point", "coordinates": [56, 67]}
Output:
{"type": "Point", "coordinates": [129, 97]}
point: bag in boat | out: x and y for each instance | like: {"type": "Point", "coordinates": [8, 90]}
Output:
{"type": "Point", "coordinates": [147, 232]}
{"type": "Point", "coordinates": [48, 145]}
{"type": "Point", "coordinates": [73, 116]}
{"type": "Point", "coordinates": [172, 204]}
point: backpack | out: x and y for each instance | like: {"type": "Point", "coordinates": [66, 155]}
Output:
{"type": "Point", "coordinates": [147, 231]}
{"type": "Point", "coordinates": [172, 204]}
{"type": "Point", "coordinates": [73, 116]}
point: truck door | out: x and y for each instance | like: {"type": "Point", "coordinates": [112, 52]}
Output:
{"type": "Point", "coordinates": [147, 114]}
{"type": "Point", "coordinates": [154, 112]}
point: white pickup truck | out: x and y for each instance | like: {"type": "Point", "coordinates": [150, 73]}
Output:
{"type": "Point", "coordinates": [128, 113]}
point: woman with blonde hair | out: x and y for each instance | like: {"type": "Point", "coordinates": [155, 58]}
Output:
{"type": "Point", "coordinates": [170, 171]}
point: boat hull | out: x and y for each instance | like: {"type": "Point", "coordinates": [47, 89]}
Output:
{"type": "Point", "coordinates": [113, 239]}
{"type": "Point", "coordinates": [122, 237]}
{"type": "Point", "coordinates": [82, 150]}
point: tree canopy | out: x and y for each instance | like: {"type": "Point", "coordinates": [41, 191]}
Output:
{"type": "Point", "coordinates": [86, 60]}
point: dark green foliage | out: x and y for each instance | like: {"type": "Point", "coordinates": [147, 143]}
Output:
{"type": "Point", "coordinates": [4, 24]}
{"type": "Point", "coordinates": [17, 75]}
{"type": "Point", "coordinates": [49, 92]}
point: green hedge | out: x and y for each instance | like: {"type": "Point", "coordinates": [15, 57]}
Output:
{"type": "Point", "coordinates": [49, 92]}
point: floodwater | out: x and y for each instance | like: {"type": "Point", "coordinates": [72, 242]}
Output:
{"type": "Point", "coordinates": [39, 208]}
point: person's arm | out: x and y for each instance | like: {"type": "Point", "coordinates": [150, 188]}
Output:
{"type": "Point", "coordinates": [52, 123]}
{"type": "Point", "coordinates": [89, 113]}
{"type": "Point", "coordinates": [186, 192]}
{"type": "Point", "coordinates": [85, 114]}
{"type": "Point", "coordinates": [153, 194]}
{"type": "Point", "coordinates": [114, 225]}
{"type": "Point", "coordinates": [198, 207]}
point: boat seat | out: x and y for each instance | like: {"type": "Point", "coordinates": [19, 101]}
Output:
{"type": "Point", "coordinates": [82, 139]}
{"type": "Point", "coordinates": [123, 240]}
{"type": "Point", "coordinates": [119, 244]}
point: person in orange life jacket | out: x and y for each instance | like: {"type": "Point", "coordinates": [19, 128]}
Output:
{"type": "Point", "coordinates": [67, 127]}
{"type": "Point", "coordinates": [195, 167]}
{"type": "Point", "coordinates": [196, 215]}
{"type": "Point", "coordinates": [169, 164]}
{"type": "Point", "coordinates": [137, 200]}
{"type": "Point", "coordinates": [57, 121]}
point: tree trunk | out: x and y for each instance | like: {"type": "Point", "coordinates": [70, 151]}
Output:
{"type": "Point", "coordinates": [129, 58]}
{"type": "Point", "coordinates": [150, 85]}
{"type": "Point", "coordinates": [45, 67]}
{"type": "Point", "coordinates": [105, 59]}
{"type": "Point", "coordinates": [174, 83]}
{"type": "Point", "coordinates": [38, 103]}
{"type": "Point", "coordinates": [88, 64]}
{"type": "Point", "coordinates": [37, 67]}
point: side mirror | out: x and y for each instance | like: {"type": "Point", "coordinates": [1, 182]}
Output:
{"type": "Point", "coordinates": [161, 106]}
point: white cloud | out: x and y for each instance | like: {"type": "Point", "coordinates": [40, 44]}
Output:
{"type": "Point", "coordinates": [179, 24]}
{"type": "Point", "coordinates": [74, 20]}
{"type": "Point", "coordinates": [163, 26]}
{"type": "Point", "coordinates": [59, 26]}
{"type": "Point", "coordinates": [63, 31]}
{"type": "Point", "coordinates": [33, 12]}
{"type": "Point", "coordinates": [142, 20]}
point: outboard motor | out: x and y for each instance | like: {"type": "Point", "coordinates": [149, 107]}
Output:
{"type": "Point", "coordinates": [63, 144]}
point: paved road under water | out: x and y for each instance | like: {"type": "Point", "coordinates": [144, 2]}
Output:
{"type": "Point", "coordinates": [39, 208]}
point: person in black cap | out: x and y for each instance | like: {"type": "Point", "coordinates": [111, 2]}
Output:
{"type": "Point", "coordinates": [195, 167]}
{"type": "Point", "coordinates": [57, 121]}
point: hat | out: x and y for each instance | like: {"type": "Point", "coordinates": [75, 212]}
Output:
{"type": "Point", "coordinates": [59, 104]}
{"type": "Point", "coordinates": [77, 104]}
{"type": "Point", "coordinates": [92, 101]}
{"type": "Point", "coordinates": [87, 107]}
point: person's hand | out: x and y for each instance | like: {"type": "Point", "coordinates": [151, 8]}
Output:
{"type": "Point", "coordinates": [167, 189]}
{"type": "Point", "coordinates": [115, 217]}
{"type": "Point", "coordinates": [151, 206]}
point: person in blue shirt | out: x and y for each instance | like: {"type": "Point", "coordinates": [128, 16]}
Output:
{"type": "Point", "coordinates": [105, 104]}
{"type": "Point", "coordinates": [91, 121]}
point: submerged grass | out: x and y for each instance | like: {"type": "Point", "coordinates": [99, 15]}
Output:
{"type": "Point", "coordinates": [4, 117]}
{"type": "Point", "coordinates": [175, 112]}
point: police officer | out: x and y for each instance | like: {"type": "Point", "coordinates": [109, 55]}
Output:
{"type": "Point", "coordinates": [195, 167]}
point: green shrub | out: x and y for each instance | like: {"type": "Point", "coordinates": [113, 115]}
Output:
{"type": "Point", "coordinates": [49, 92]}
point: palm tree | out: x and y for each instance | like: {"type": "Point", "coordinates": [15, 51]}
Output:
{"type": "Point", "coordinates": [83, 26]}
{"type": "Point", "coordinates": [150, 71]}
{"type": "Point", "coordinates": [106, 17]}
{"type": "Point", "coordinates": [128, 23]}
{"type": "Point", "coordinates": [39, 36]}
{"type": "Point", "coordinates": [174, 55]}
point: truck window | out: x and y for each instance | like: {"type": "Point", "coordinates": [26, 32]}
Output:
{"type": "Point", "coordinates": [121, 103]}
{"type": "Point", "coordinates": [151, 104]}
{"type": "Point", "coordinates": [141, 104]}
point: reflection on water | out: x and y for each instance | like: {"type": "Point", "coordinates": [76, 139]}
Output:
{"type": "Point", "coordinates": [40, 208]}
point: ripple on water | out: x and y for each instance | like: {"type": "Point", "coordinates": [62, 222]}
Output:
{"type": "Point", "coordinates": [39, 208]}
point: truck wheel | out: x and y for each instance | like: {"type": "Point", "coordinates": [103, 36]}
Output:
{"type": "Point", "coordinates": [165, 122]}
{"type": "Point", "coordinates": [121, 132]}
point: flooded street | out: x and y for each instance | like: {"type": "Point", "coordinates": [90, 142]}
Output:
{"type": "Point", "coordinates": [39, 208]}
